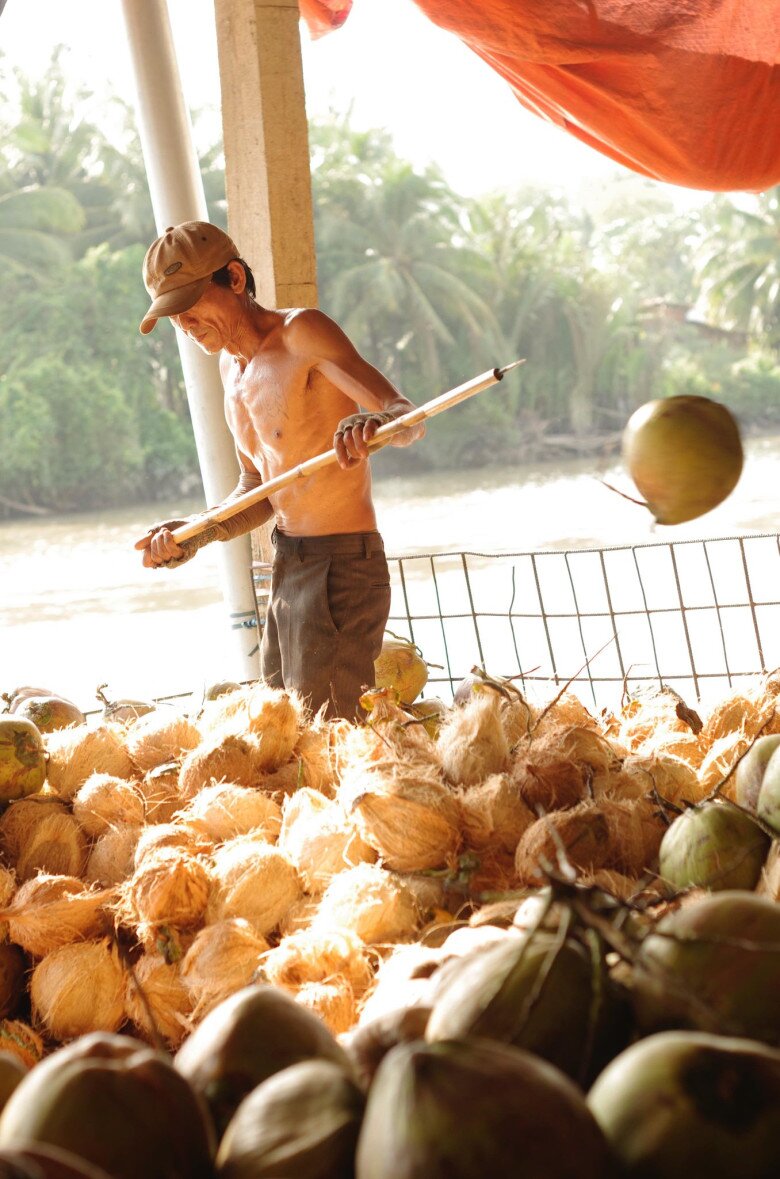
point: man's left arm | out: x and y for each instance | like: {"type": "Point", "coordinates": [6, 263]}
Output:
{"type": "Point", "coordinates": [332, 353]}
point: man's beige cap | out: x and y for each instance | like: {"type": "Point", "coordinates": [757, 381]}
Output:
{"type": "Point", "coordinates": [179, 265]}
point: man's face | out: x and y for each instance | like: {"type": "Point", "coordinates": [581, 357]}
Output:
{"type": "Point", "coordinates": [211, 320]}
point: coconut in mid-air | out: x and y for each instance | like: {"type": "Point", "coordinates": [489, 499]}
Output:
{"type": "Point", "coordinates": [684, 454]}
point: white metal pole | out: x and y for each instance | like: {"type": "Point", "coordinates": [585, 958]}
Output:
{"type": "Point", "coordinates": [176, 188]}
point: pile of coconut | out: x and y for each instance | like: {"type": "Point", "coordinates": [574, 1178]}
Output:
{"type": "Point", "coordinates": [171, 860]}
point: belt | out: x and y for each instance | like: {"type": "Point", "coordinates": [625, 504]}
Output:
{"type": "Point", "coordinates": [344, 544]}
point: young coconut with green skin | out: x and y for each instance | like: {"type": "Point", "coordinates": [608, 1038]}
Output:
{"type": "Point", "coordinates": [684, 454]}
{"type": "Point", "coordinates": [715, 845]}
{"type": "Point", "coordinates": [22, 758]}
{"type": "Point", "coordinates": [681, 1104]}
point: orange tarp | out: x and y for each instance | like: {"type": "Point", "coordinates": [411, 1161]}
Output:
{"type": "Point", "coordinates": [685, 91]}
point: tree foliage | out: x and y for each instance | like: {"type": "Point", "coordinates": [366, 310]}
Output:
{"type": "Point", "coordinates": [612, 301]}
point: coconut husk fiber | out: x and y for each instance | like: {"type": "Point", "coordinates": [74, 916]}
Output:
{"type": "Point", "coordinates": [157, 1002]}
{"type": "Point", "coordinates": [405, 813]}
{"type": "Point", "coordinates": [225, 810]}
{"type": "Point", "coordinates": [333, 1002]}
{"type": "Point", "coordinates": [79, 988]}
{"type": "Point", "coordinates": [20, 820]}
{"type": "Point", "coordinates": [642, 775]}
{"type": "Point", "coordinates": [494, 814]}
{"type": "Point", "coordinates": [721, 758]}
{"type": "Point", "coordinates": [388, 729]}
{"type": "Point", "coordinates": [314, 750]}
{"type": "Point", "coordinates": [518, 717]}
{"type": "Point", "coordinates": [75, 754]}
{"type": "Point", "coordinates": [185, 836]}
{"type": "Point", "coordinates": [624, 888]}
{"type": "Point", "coordinates": [300, 915]}
{"type": "Point", "coordinates": [50, 911]}
{"type": "Point", "coordinates": [565, 712]}
{"type": "Point", "coordinates": [221, 757]}
{"type": "Point", "coordinates": [472, 742]}
{"type": "Point", "coordinates": [555, 770]}
{"type": "Point", "coordinates": [318, 955]}
{"type": "Point", "coordinates": [653, 712]}
{"type": "Point", "coordinates": [170, 887]}
{"type": "Point", "coordinates": [742, 712]}
{"type": "Point", "coordinates": [583, 834]}
{"type": "Point", "coordinates": [320, 840]}
{"type": "Point", "coordinates": [18, 1038]}
{"type": "Point", "coordinates": [222, 959]}
{"type": "Point", "coordinates": [274, 718]}
{"type": "Point", "coordinates": [370, 903]}
{"type": "Point", "coordinates": [112, 858]}
{"type": "Point", "coordinates": [688, 747]}
{"type": "Point", "coordinates": [255, 881]}
{"type": "Point", "coordinates": [159, 738]}
{"type": "Point", "coordinates": [56, 844]}
{"type": "Point", "coordinates": [636, 830]}
{"type": "Point", "coordinates": [104, 802]}
{"type": "Point", "coordinates": [159, 789]}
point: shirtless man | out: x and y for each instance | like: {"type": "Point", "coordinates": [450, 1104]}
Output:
{"type": "Point", "coordinates": [293, 382]}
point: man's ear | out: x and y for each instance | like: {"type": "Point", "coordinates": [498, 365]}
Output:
{"type": "Point", "coordinates": [237, 277]}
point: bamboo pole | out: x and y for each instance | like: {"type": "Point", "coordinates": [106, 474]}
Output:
{"type": "Point", "coordinates": [420, 413]}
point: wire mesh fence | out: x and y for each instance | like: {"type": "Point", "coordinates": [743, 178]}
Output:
{"type": "Point", "coordinates": [698, 615]}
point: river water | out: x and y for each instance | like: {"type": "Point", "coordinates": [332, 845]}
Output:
{"type": "Point", "coordinates": [77, 609]}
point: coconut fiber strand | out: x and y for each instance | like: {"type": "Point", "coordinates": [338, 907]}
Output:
{"type": "Point", "coordinates": [683, 91]}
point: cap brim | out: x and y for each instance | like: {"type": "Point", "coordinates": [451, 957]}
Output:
{"type": "Point", "coordinates": [173, 303]}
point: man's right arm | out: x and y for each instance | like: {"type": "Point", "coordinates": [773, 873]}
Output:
{"type": "Point", "coordinates": [160, 549]}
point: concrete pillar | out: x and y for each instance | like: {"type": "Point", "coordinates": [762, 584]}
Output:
{"type": "Point", "coordinates": [176, 188]}
{"type": "Point", "coordinates": [267, 166]}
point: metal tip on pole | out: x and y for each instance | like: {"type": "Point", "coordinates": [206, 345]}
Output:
{"type": "Point", "coordinates": [501, 372]}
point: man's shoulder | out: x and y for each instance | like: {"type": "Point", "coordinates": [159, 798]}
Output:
{"type": "Point", "coordinates": [304, 325]}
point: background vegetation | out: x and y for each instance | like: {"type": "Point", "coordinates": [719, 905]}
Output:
{"type": "Point", "coordinates": [612, 303]}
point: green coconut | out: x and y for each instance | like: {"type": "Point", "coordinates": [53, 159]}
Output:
{"type": "Point", "coordinates": [400, 666]}
{"type": "Point", "coordinates": [302, 1123]}
{"type": "Point", "coordinates": [716, 846]}
{"type": "Point", "coordinates": [679, 1105]}
{"type": "Point", "coordinates": [257, 1032]}
{"type": "Point", "coordinates": [684, 454]}
{"type": "Point", "coordinates": [751, 768]}
{"type": "Point", "coordinates": [712, 966]}
{"type": "Point", "coordinates": [123, 711]}
{"type": "Point", "coordinates": [471, 1108]}
{"type": "Point", "coordinates": [15, 699]}
{"type": "Point", "coordinates": [431, 712]}
{"type": "Point", "coordinates": [49, 713]}
{"type": "Point", "coordinates": [22, 758]}
{"type": "Point", "coordinates": [535, 992]}
{"type": "Point", "coordinates": [116, 1103]}
{"type": "Point", "coordinates": [768, 804]}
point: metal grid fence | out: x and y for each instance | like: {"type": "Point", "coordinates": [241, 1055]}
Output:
{"type": "Point", "coordinates": [698, 615]}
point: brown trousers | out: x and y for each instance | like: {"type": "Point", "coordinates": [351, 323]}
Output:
{"type": "Point", "coordinates": [330, 598]}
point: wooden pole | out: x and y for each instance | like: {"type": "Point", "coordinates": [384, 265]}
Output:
{"type": "Point", "coordinates": [420, 414]}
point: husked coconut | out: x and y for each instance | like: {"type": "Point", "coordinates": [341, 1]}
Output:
{"type": "Point", "coordinates": [314, 750]}
{"type": "Point", "coordinates": [170, 887]}
{"type": "Point", "coordinates": [50, 911]}
{"type": "Point", "coordinates": [105, 801]}
{"type": "Point", "coordinates": [405, 813]}
{"type": "Point", "coordinates": [654, 714]}
{"type": "Point", "coordinates": [371, 903]}
{"type": "Point", "coordinates": [255, 881]}
{"type": "Point", "coordinates": [583, 833]}
{"type": "Point", "coordinates": [225, 711]}
{"type": "Point", "coordinates": [157, 1002]}
{"type": "Point", "coordinates": [76, 754]}
{"type": "Point", "coordinates": [333, 1001]}
{"type": "Point", "coordinates": [319, 839]}
{"type": "Point", "coordinates": [388, 729]}
{"type": "Point", "coordinates": [159, 789]}
{"type": "Point", "coordinates": [493, 813]}
{"type": "Point", "coordinates": [274, 717]}
{"type": "Point", "coordinates": [222, 959]}
{"type": "Point", "coordinates": [472, 742]}
{"type": "Point", "coordinates": [20, 819]}
{"type": "Point", "coordinates": [159, 738]}
{"type": "Point", "coordinates": [224, 757]}
{"type": "Point", "coordinates": [300, 915]}
{"type": "Point", "coordinates": [22, 1041]}
{"type": "Point", "coordinates": [565, 712]}
{"type": "Point", "coordinates": [112, 857]}
{"type": "Point", "coordinates": [517, 717]}
{"type": "Point", "coordinates": [55, 845]}
{"type": "Point", "coordinates": [643, 775]}
{"type": "Point", "coordinates": [79, 989]}
{"type": "Point", "coordinates": [555, 770]}
{"type": "Point", "coordinates": [181, 835]}
{"type": "Point", "coordinates": [688, 747]}
{"type": "Point", "coordinates": [317, 955]}
{"type": "Point", "coordinates": [636, 831]}
{"type": "Point", "coordinates": [225, 810]}
{"type": "Point", "coordinates": [742, 712]}
{"type": "Point", "coordinates": [720, 760]}
{"type": "Point", "coordinates": [615, 883]}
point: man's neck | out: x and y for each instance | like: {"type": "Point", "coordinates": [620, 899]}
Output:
{"type": "Point", "coordinates": [251, 331]}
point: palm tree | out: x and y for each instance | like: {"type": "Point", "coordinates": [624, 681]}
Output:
{"type": "Point", "coordinates": [740, 266]}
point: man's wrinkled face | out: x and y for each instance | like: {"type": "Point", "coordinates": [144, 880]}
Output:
{"type": "Point", "coordinates": [209, 321]}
